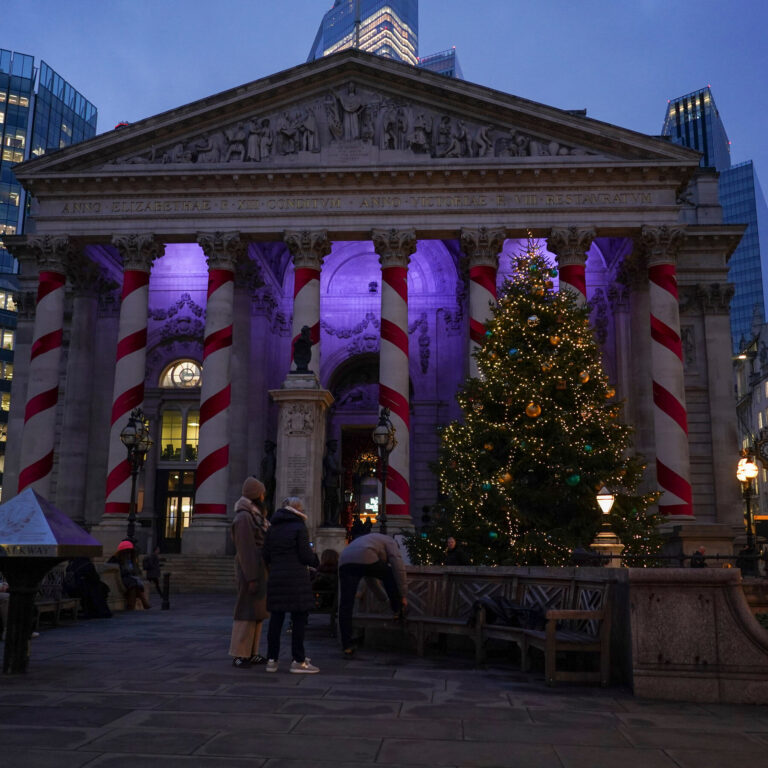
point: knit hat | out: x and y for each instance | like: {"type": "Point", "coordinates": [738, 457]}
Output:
{"type": "Point", "coordinates": [253, 488]}
{"type": "Point", "coordinates": [124, 545]}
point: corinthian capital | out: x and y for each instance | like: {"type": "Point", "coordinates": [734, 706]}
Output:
{"type": "Point", "coordinates": [138, 251]}
{"type": "Point", "coordinates": [570, 244]}
{"type": "Point", "coordinates": [223, 250]}
{"type": "Point", "coordinates": [394, 246]}
{"type": "Point", "coordinates": [661, 244]}
{"type": "Point", "coordinates": [483, 245]}
{"type": "Point", "coordinates": [51, 252]}
{"type": "Point", "coordinates": [308, 247]}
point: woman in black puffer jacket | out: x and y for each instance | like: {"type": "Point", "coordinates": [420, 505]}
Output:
{"type": "Point", "coordinates": [288, 554]}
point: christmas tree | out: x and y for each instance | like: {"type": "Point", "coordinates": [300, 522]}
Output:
{"type": "Point", "coordinates": [540, 435]}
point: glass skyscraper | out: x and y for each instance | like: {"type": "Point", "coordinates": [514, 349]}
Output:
{"type": "Point", "coordinates": [743, 203]}
{"type": "Point", "coordinates": [39, 112]}
{"type": "Point", "coordinates": [694, 121]}
{"type": "Point", "coordinates": [388, 28]}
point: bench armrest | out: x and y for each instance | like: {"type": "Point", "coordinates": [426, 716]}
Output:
{"type": "Point", "coordinates": [566, 614]}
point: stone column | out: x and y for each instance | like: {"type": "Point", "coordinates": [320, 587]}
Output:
{"type": "Point", "coordinates": [570, 245]}
{"type": "Point", "coordinates": [39, 435]}
{"type": "Point", "coordinates": [308, 248]}
{"type": "Point", "coordinates": [87, 283]}
{"type": "Point", "coordinates": [209, 526]}
{"type": "Point", "coordinates": [138, 253]}
{"type": "Point", "coordinates": [395, 248]}
{"type": "Point", "coordinates": [482, 246]}
{"type": "Point", "coordinates": [673, 470]}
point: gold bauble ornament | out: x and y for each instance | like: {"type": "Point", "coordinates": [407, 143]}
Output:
{"type": "Point", "coordinates": [554, 340]}
{"type": "Point", "coordinates": [533, 410]}
{"type": "Point", "coordinates": [610, 393]}
{"type": "Point", "coordinates": [506, 478]}
{"type": "Point", "coordinates": [584, 377]}
{"type": "Point", "coordinates": [546, 367]}
{"type": "Point", "coordinates": [488, 446]}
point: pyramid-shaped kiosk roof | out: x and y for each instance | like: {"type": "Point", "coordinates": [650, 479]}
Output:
{"type": "Point", "coordinates": [31, 526]}
{"type": "Point", "coordinates": [350, 138]}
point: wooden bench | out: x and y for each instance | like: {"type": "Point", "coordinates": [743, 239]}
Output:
{"type": "Point", "coordinates": [51, 600]}
{"type": "Point", "coordinates": [577, 619]}
{"type": "Point", "coordinates": [437, 605]}
{"type": "Point", "coordinates": [575, 614]}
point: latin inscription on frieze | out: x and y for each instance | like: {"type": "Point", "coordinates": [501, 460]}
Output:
{"type": "Point", "coordinates": [522, 200]}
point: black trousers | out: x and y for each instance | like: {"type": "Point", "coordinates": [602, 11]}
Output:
{"type": "Point", "coordinates": [349, 578]}
{"type": "Point", "coordinates": [299, 620]}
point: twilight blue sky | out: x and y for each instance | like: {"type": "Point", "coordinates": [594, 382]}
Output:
{"type": "Point", "coordinates": [621, 59]}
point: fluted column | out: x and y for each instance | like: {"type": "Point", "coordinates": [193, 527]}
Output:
{"type": "Point", "coordinates": [482, 246]}
{"type": "Point", "coordinates": [222, 251]}
{"type": "Point", "coordinates": [308, 248]}
{"type": "Point", "coordinates": [570, 245]}
{"type": "Point", "coordinates": [394, 248]}
{"type": "Point", "coordinates": [138, 253]}
{"type": "Point", "coordinates": [673, 470]}
{"type": "Point", "coordinates": [38, 437]}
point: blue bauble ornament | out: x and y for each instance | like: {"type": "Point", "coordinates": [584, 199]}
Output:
{"type": "Point", "coordinates": [573, 480]}
{"type": "Point", "coordinates": [489, 334]}
{"type": "Point", "coordinates": [493, 535]}
{"type": "Point", "coordinates": [514, 352]}
{"type": "Point", "coordinates": [588, 449]}
{"type": "Point", "coordinates": [486, 486]}
{"type": "Point", "coordinates": [553, 272]}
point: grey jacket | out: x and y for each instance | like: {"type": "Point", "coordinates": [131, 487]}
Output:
{"type": "Point", "coordinates": [376, 548]}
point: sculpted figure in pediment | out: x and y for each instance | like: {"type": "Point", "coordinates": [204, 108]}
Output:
{"type": "Point", "coordinates": [308, 131]}
{"type": "Point", "coordinates": [237, 137]}
{"type": "Point", "coordinates": [482, 144]}
{"type": "Point", "coordinates": [351, 107]}
{"type": "Point", "coordinates": [210, 149]}
{"type": "Point", "coordinates": [287, 135]}
{"type": "Point", "coordinates": [452, 139]}
{"type": "Point", "coordinates": [420, 137]}
{"type": "Point", "coordinates": [389, 127]}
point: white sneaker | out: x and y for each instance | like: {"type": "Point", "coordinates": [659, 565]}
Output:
{"type": "Point", "coordinates": [271, 665]}
{"type": "Point", "coordinates": [303, 668]}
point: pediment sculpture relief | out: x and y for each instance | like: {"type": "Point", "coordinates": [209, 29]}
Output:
{"type": "Point", "coordinates": [350, 118]}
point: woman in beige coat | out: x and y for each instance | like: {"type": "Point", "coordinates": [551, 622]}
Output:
{"type": "Point", "coordinates": [249, 527]}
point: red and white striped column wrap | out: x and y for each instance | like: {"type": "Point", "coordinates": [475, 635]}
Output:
{"type": "Point", "coordinates": [673, 470]}
{"type": "Point", "coordinates": [38, 437]}
{"type": "Point", "coordinates": [482, 246]}
{"type": "Point", "coordinates": [308, 249]}
{"type": "Point", "coordinates": [570, 245]}
{"type": "Point", "coordinates": [395, 248]}
{"type": "Point", "coordinates": [222, 250]}
{"type": "Point", "coordinates": [138, 252]}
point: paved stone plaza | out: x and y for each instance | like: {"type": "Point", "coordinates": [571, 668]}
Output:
{"type": "Point", "coordinates": [155, 687]}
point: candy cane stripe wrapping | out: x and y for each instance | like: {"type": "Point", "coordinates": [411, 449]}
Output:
{"type": "Point", "coordinates": [394, 249]}
{"type": "Point", "coordinates": [37, 442]}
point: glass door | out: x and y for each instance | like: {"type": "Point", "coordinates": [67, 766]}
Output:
{"type": "Point", "coordinates": [177, 489]}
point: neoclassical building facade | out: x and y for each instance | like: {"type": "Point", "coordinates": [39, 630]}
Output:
{"type": "Point", "coordinates": [170, 263]}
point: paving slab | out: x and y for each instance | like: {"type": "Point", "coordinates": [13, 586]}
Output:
{"type": "Point", "coordinates": [158, 688]}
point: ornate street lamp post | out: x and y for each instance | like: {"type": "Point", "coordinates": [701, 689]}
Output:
{"type": "Point", "coordinates": [135, 437]}
{"type": "Point", "coordinates": [746, 472]}
{"type": "Point", "coordinates": [384, 437]}
{"type": "Point", "coordinates": [607, 543]}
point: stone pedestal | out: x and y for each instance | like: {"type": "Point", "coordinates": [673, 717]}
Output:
{"type": "Point", "coordinates": [300, 443]}
{"type": "Point", "coordinates": [685, 539]}
{"type": "Point", "coordinates": [327, 537]}
{"type": "Point", "coordinates": [608, 545]}
{"type": "Point", "coordinates": [206, 537]}
{"type": "Point", "coordinates": [110, 532]}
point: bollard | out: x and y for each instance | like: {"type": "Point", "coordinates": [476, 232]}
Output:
{"type": "Point", "coordinates": [166, 604]}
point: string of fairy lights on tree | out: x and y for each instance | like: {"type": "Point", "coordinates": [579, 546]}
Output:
{"type": "Point", "coordinates": [540, 434]}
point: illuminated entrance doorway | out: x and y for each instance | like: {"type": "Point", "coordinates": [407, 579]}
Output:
{"type": "Point", "coordinates": [360, 465]}
{"type": "Point", "coordinates": [176, 495]}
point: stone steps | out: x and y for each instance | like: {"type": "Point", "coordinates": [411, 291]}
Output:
{"type": "Point", "coordinates": [200, 573]}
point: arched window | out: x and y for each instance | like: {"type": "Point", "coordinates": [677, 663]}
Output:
{"type": "Point", "coordinates": [181, 374]}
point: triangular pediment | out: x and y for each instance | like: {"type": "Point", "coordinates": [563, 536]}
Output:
{"type": "Point", "coordinates": [348, 110]}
